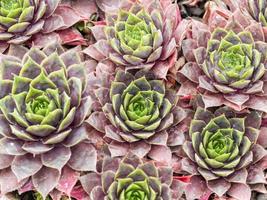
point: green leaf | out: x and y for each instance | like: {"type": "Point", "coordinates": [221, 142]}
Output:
{"type": "Point", "coordinates": [155, 115]}
{"type": "Point", "coordinates": [21, 134]}
{"type": "Point", "coordinates": [126, 100]}
{"type": "Point", "coordinates": [212, 154]}
{"type": "Point", "coordinates": [256, 61]}
{"type": "Point", "coordinates": [59, 79]}
{"type": "Point", "coordinates": [34, 118]}
{"type": "Point", "coordinates": [7, 21]}
{"type": "Point", "coordinates": [206, 138]}
{"type": "Point", "coordinates": [214, 163]}
{"type": "Point", "coordinates": [67, 120]}
{"type": "Point", "coordinates": [138, 175]}
{"type": "Point", "coordinates": [20, 84]}
{"type": "Point", "coordinates": [143, 51]}
{"type": "Point", "coordinates": [58, 138]}
{"type": "Point", "coordinates": [153, 126]}
{"type": "Point", "coordinates": [211, 126]}
{"type": "Point", "coordinates": [123, 183]}
{"type": "Point", "coordinates": [143, 120]}
{"type": "Point", "coordinates": [14, 13]}
{"type": "Point", "coordinates": [53, 118]}
{"type": "Point", "coordinates": [19, 119]}
{"type": "Point", "coordinates": [19, 27]}
{"type": "Point", "coordinates": [166, 107]}
{"type": "Point", "coordinates": [26, 3]}
{"type": "Point", "coordinates": [223, 157]}
{"type": "Point", "coordinates": [222, 121]}
{"type": "Point", "coordinates": [218, 33]}
{"type": "Point", "coordinates": [42, 82]}
{"type": "Point", "coordinates": [245, 146]}
{"type": "Point", "coordinates": [27, 14]}
{"type": "Point", "coordinates": [232, 164]}
{"type": "Point", "coordinates": [262, 19]}
{"type": "Point", "coordinates": [33, 93]}
{"type": "Point", "coordinates": [142, 84]}
{"type": "Point", "coordinates": [202, 151]}
{"type": "Point", "coordinates": [40, 130]}
{"type": "Point", "coordinates": [114, 43]}
{"type": "Point", "coordinates": [238, 124]}
{"type": "Point", "coordinates": [134, 125]}
{"type": "Point", "coordinates": [240, 84]}
{"type": "Point", "coordinates": [54, 95]}
{"type": "Point", "coordinates": [66, 103]}
{"type": "Point", "coordinates": [133, 19]}
{"type": "Point", "coordinates": [224, 45]}
{"type": "Point", "coordinates": [7, 106]}
{"type": "Point", "coordinates": [234, 153]}
{"type": "Point", "coordinates": [220, 77]}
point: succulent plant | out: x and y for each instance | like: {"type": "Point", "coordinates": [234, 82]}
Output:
{"type": "Point", "coordinates": [139, 35]}
{"type": "Point", "coordinates": [224, 152]}
{"type": "Point", "coordinates": [257, 9]}
{"type": "Point", "coordinates": [43, 105]}
{"type": "Point", "coordinates": [136, 112]}
{"type": "Point", "coordinates": [226, 62]}
{"type": "Point", "coordinates": [20, 19]}
{"type": "Point", "coordinates": [131, 179]}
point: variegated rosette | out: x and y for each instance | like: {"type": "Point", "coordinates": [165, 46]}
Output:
{"type": "Point", "coordinates": [136, 112]}
{"type": "Point", "coordinates": [139, 34]}
{"type": "Point", "coordinates": [223, 155]}
{"type": "Point", "coordinates": [20, 19]}
{"type": "Point", "coordinates": [43, 103]}
{"type": "Point", "coordinates": [130, 178]}
{"type": "Point", "coordinates": [226, 61]}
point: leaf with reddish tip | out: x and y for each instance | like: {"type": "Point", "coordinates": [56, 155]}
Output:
{"type": "Point", "coordinates": [79, 194]}
{"type": "Point", "coordinates": [65, 16]}
{"type": "Point", "coordinates": [26, 187]}
{"type": "Point", "coordinates": [196, 188]}
{"type": "Point", "coordinates": [67, 180]}
{"type": "Point", "coordinates": [71, 37]}
{"type": "Point", "coordinates": [46, 180]}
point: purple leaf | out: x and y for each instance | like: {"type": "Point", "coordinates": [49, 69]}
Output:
{"type": "Point", "coordinates": [46, 180]}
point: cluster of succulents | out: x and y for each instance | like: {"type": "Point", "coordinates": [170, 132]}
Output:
{"type": "Point", "coordinates": [223, 148]}
{"type": "Point", "coordinates": [131, 178]}
{"type": "Point", "coordinates": [20, 19]}
{"type": "Point", "coordinates": [133, 99]}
